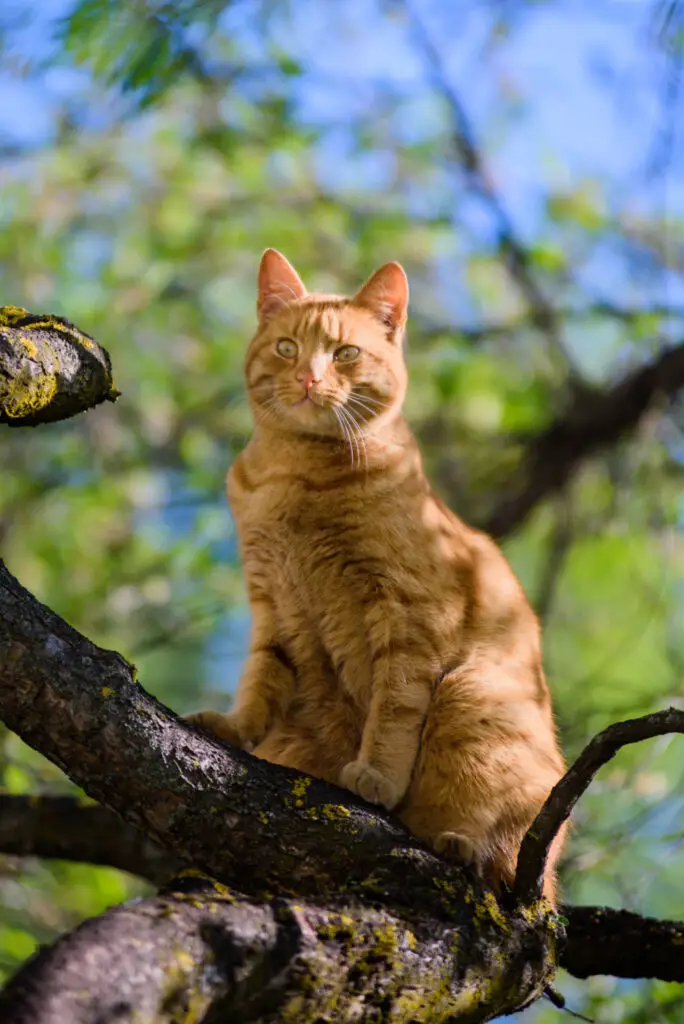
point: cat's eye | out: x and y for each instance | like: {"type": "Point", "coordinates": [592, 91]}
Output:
{"type": "Point", "coordinates": [347, 354]}
{"type": "Point", "coordinates": [287, 348]}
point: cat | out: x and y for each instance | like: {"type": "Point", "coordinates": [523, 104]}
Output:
{"type": "Point", "coordinates": [393, 651]}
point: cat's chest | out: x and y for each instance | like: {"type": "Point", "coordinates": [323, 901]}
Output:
{"type": "Point", "coordinates": [305, 536]}
{"type": "Point", "coordinates": [291, 523]}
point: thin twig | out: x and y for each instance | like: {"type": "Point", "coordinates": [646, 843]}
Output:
{"type": "Point", "coordinates": [566, 793]}
{"type": "Point", "coordinates": [514, 254]}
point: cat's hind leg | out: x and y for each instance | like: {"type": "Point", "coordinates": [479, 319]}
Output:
{"type": "Point", "coordinates": [487, 761]}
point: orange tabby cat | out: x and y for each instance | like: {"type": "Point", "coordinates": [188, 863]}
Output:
{"type": "Point", "coordinates": [393, 650]}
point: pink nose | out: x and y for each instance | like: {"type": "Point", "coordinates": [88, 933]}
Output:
{"type": "Point", "coordinates": [307, 379]}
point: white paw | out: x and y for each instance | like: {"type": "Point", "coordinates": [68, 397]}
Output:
{"type": "Point", "coordinates": [369, 783]}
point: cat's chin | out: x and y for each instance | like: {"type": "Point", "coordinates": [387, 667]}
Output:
{"type": "Point", "coordinates": [310, 417]}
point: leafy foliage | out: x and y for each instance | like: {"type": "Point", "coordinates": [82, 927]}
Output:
{"type": "Point", "coordinates": [183, 139]}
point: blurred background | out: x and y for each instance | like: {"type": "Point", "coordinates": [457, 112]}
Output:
{"type": "Point", "coordinates": [523, 160]}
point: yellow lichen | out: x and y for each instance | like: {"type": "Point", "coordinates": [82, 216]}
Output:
{"type": "Point", "coordinates": [339, 926]}
{"type": "Point", "coordinates": [9, 315]}
{"type": "Point", "coordinates": [488, 908]}
{"type": "Point", "coordinates": [106, 690]}
{"type": "Point", "coordinates": [335, 812]}
{"type": "Point", "coordinates": [184, 960]}
{"type": "Point", "coordinates": [299, 788]}
{"type": "Point", "coordinates": [26, 395]}
{"type": "Point", "coordinates": [30, 346]}
{"type": "Point", "coordinates": [387, 941]}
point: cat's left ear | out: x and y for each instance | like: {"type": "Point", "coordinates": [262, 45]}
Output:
{"type": "Point", "coordinates": [385, 294]}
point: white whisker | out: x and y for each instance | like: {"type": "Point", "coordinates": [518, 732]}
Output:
{"type": "Point", "coordinates": [370, 399]}
{"type": "Point", "coordinates": [344, 430]}
{"type": "Point", "coordinates": [353, 400]}
{"type": "Point", "coordinates": [357, 435]}
{"type": "Point", "coordinates": [266, 411]}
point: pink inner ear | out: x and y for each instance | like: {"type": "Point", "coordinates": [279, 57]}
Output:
{"type": "Point", "coordinates": [279, 283]}
{"type": "Point", "coordinates": [386, 295]}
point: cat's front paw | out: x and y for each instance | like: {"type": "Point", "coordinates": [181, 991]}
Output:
{"type": "Point", "coordinates": [361, 778]}
{"type": "Point", "coordinates": [454, 845]}
{"type": "Point", "coordinates": [231, 728]}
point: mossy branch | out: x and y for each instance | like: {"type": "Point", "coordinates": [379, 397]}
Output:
{"type": "Point", "coordinates": [292, 844]}
{"type": "Point", "coordinates": [49, 369]}
{"type": "Point", "coordinates": [200, 951]}
{"type": "Point", "coordinates": [69, 828]}
{"type": "Point", "coordinates": [271, 833]}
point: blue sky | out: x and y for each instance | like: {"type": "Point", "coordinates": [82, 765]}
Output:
{"type": "Point", "coordinates": [590, 74]}
{"type": "Point", "coordinates": [573, 92]}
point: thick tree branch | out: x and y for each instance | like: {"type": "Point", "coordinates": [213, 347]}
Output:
{"type": "Point", "coordinates": [593, 422]}
{"type": "Point", "coordinates": [212, 805]}
{"type": "Point", "coordinates": [606, 941]}
{"type": "Point", "coordinates": [67, 828]}
{"type": "Point", "coordinates": [207, 953]}
{"type": "Point", "coordinates": [273, 834]}
{"type": "Point", "coordinates": [49, 370]}
{"type": "Point", "coordinates": [566, 793]}
{"type": "Point", "coordinates": [253, 825]}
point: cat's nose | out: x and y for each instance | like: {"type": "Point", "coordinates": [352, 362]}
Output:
{"type": "Point", "coordinates": [307, 379]}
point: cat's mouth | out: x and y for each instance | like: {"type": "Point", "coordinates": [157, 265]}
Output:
{"type": "Point", "coordinates": [309, 400]}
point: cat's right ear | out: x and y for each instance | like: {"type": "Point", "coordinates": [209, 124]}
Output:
{"type": "Point", "coordinates": [279, 283]}
{"type": "Point", "coordinates": [385, 294]}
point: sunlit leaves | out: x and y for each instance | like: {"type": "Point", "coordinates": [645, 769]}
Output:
{"type": "Point", "coordinates": [148, 232]}
{"type": "Point", "coordinates": [142, 46]}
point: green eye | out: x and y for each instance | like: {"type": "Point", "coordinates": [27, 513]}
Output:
{"type": "Point", "coordinates": [287, 348]}
{"type": "Point", "coordinates": [347, 354]}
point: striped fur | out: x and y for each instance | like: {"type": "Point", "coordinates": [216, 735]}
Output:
{"type": "Point", "coordinates": [393, 650]}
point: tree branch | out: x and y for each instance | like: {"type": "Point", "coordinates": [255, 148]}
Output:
{"type": "Point", "coordinates": [606, 941]}
{"type": "Point", "coordinates": [565, 794]}
{"type": "Point", "coordinates": [212, 805]}
{"type": "Point", "coordinates": [514, 254]}
{"type": "Point", "coordinates": [67, 828]}
{"type": "Point", "coordinates": [593, 422]}
{"type": "Point", "coordinates": [266, 830]}
{"type": "Point", "coordinates": [49, 370]}
{"type": "Point", "coordinates": [207, 953]}
{"type": "Point", "coordinates": [273, 834]}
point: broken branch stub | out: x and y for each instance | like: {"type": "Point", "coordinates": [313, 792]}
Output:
{"type": "Point", "coordinates": [49, 369]}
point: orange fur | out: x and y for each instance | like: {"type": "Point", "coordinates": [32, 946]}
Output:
{"type": "Point", "coordinates": [393, 650]}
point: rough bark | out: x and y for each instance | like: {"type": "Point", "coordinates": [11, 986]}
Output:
{"type": "Point", "coordinates": [208, 954]}
{"type": "Point", "coordinates": [602, 940]}
{"type": "Point", "coordinates": [268, 832]}
{"type": "Point", "coordinates": [67, 828]}
{"type": "Point", "coordinates": [49, 369]}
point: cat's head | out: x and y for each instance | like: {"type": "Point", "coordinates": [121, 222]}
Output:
{"type": "Point", "coordinates": [325, 364]}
